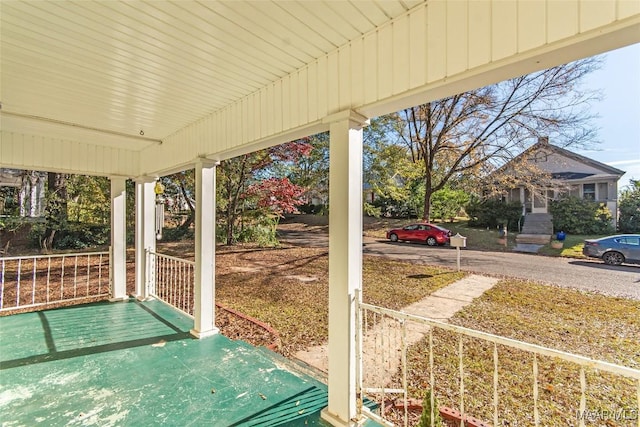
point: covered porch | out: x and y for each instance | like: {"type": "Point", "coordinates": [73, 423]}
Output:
{"type": "Point", "coordinates": [136, 90]}
{"type": "Point", "coordinates": [135, 363]}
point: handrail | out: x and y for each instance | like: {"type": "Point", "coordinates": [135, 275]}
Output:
{"type": "Point", "coordinates": [59, 255]}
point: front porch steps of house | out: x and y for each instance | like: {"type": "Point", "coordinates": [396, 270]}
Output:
{"type": "Point", "coordinates": [533, 239]}
{"type": "Point", "coordinates": [537, 223]}
{"type": "Point", "coordinates": [536, 232]}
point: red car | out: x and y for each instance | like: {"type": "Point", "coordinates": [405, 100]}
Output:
{"type": "Point", "coordinates": [431, 234]}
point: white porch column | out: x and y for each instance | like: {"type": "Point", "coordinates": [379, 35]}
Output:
{"type": "Point", "coordinates": [205, 234]}
{"type": "Point", "coordinates": [118, 238]}
{"type": "Point", "coordinates": [345, 261]}
{"type": "Point", "coordinates": [145, 230]}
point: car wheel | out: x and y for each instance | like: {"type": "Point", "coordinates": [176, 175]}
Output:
{"type": "Point", "coordinates": [431, 241]}
{"type": "Point", "coordinates": [613, 258]}
{"type": "Point", "coordinates": [393, 237]}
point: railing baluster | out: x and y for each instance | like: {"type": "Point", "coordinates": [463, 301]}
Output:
{"type": "Point", "coordinates": [88, 271]}
{"type": "Point", "coordinates": [100, 272]}
{"type": "Point", "coordinates": [536, 414]}
{"type": "Point", "coordinates": [33, 281]}
{"type": "Point", "coordinates": [432, 377]}
{"type": "Point", "coordinates": [638, 404]}
{"type": "Point", "coordinates": [403, 347]}
{"type": "Point", "coordinates": [461, 365]}
{"type": "Point", "coordinates": [359, 333]}
{"type": "Point", "coordinates": [62, 280]}
{"type": "Point", "coordinates": [75, 276]}
{"type": "Point", "coordinates": [2, 288]}
{"type": "Point", "coordinates": [48, 278]}
{"type": "Point", "coordinates": [382, 342]}
{"type": "Point", "coordinates": [583, 394]}
{"type": "Point", "coordinates": [495, 384]}
{"type": "Point", "coordinates": [18, 283]}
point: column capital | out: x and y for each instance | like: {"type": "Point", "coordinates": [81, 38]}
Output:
{"type": "Point", "coordinates": [356, 119]}
{"type": "Point", "coordinates": [144, 179]}
{"type": "Point", "coordinates": [122, 177]}
{"type": "Point", "coordinates": [206, 162]}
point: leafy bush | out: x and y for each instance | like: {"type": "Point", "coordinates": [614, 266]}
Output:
{"type": "Point", "coordinates": [73, 235]}
{"type": "Point", "coordinates": [629, 206]}
{"type": "Point", "coordinates": [492, 213]}
{"type": "Point", "coordinates": [175, 234]}
{"type": "Point", "coordinates": [425, 418]}
{"type": "Point", "coordinates": [578, 216]}
{"type": "Point", "coordinates": [260, 230]}
{"type": "Point", "coordinates": [447, 203]}
{"type": "Point", "coordinates": [370, 210]}
{"type": "Point", "coordinates": [310, 208]}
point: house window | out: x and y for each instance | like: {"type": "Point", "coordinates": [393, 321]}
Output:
{"type": "Point", "coordinates": [575, 191]}
{"type": "Point", "coordinates": [539, 157]}
{"type": "Point", "coordinates": [589, 191]}
{"type": "Point", "coordinates": [603, 191]}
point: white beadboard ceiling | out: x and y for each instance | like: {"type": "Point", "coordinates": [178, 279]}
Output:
{"type": "Point", "coordinates": [127, 68]}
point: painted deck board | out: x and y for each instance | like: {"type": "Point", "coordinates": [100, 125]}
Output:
{"type": "Point", "coordinates": [131, 364]}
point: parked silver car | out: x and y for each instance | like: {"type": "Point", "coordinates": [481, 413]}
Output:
{"type": "Point", "coordinates": [614, 250]}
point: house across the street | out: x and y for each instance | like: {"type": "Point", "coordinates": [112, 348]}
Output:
{"type": "Point", "coordinates": [567, 172]}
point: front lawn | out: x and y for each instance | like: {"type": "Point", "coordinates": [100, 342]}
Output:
{"type": "Point", "coordinates": [288, 288]}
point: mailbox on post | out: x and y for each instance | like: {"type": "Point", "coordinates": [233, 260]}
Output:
{"type": "Point", "coordinates": [458, 242]}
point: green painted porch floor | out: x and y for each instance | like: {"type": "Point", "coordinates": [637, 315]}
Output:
{"type": "Point", "coordinates": [135, 364]}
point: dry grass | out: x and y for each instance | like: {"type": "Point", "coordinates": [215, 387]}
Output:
{"type": "Point", "coordinates": [599, 327]}
{"type": "Point", "coordinates": [288, 288]}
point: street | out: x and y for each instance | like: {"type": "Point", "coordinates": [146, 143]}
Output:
{"type": "Point", "coordinates": [588, 275]}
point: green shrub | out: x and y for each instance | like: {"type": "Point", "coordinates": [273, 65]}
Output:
{"type": "Point", "coordinates": [447, 203]}
{"type": "Point", "coordinates": [370, 210]}
{"type": "Point", "coordinates": [175, 234]}
{"type": "Point", "coordinates": [629, 206]}
{"type": "Point", "coordinates": [73, 235]}
{"type": "Point", "coordinates": [425, 418]}
{"type": "Point", "coordinates": [578, 216]}
{"type": "Point", "coordinates": [493, 213]}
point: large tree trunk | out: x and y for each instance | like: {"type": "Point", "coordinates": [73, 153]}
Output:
{"type": "Point", "coordinates": [56, 212]}
{"type": "Point", "coordinates": [426, 213]}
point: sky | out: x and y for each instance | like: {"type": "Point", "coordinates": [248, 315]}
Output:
{"type": "Point", "coordinates": [618, 111]}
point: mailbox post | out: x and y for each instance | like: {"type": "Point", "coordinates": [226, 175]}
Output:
{"type": "Point", "coordinates": [458, 242]}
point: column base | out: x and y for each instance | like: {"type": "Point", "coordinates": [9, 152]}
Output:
{"type": "Point", "coordinates": [119, 299]}
{"type": "Point", "coordinates": [335, 421]}
{"type": "Point", "coordinates": [204, 334]}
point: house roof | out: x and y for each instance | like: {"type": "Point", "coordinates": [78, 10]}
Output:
{"type": "Point", "coordinates": [565, 175]}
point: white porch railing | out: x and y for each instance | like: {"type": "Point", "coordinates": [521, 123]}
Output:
{"type": "Point", "coordinates": [30, 281]}
{"type": "Point", "coordinates": [171, 280]}
{"type": "Point", "coordinates": [383, 341]}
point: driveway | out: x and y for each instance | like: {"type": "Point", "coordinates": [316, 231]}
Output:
{"type": "Point", "coordinates": [588, 275]}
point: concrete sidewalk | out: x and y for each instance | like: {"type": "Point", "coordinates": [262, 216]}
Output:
{"type": "Point", "coordinates": [441, 306]}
